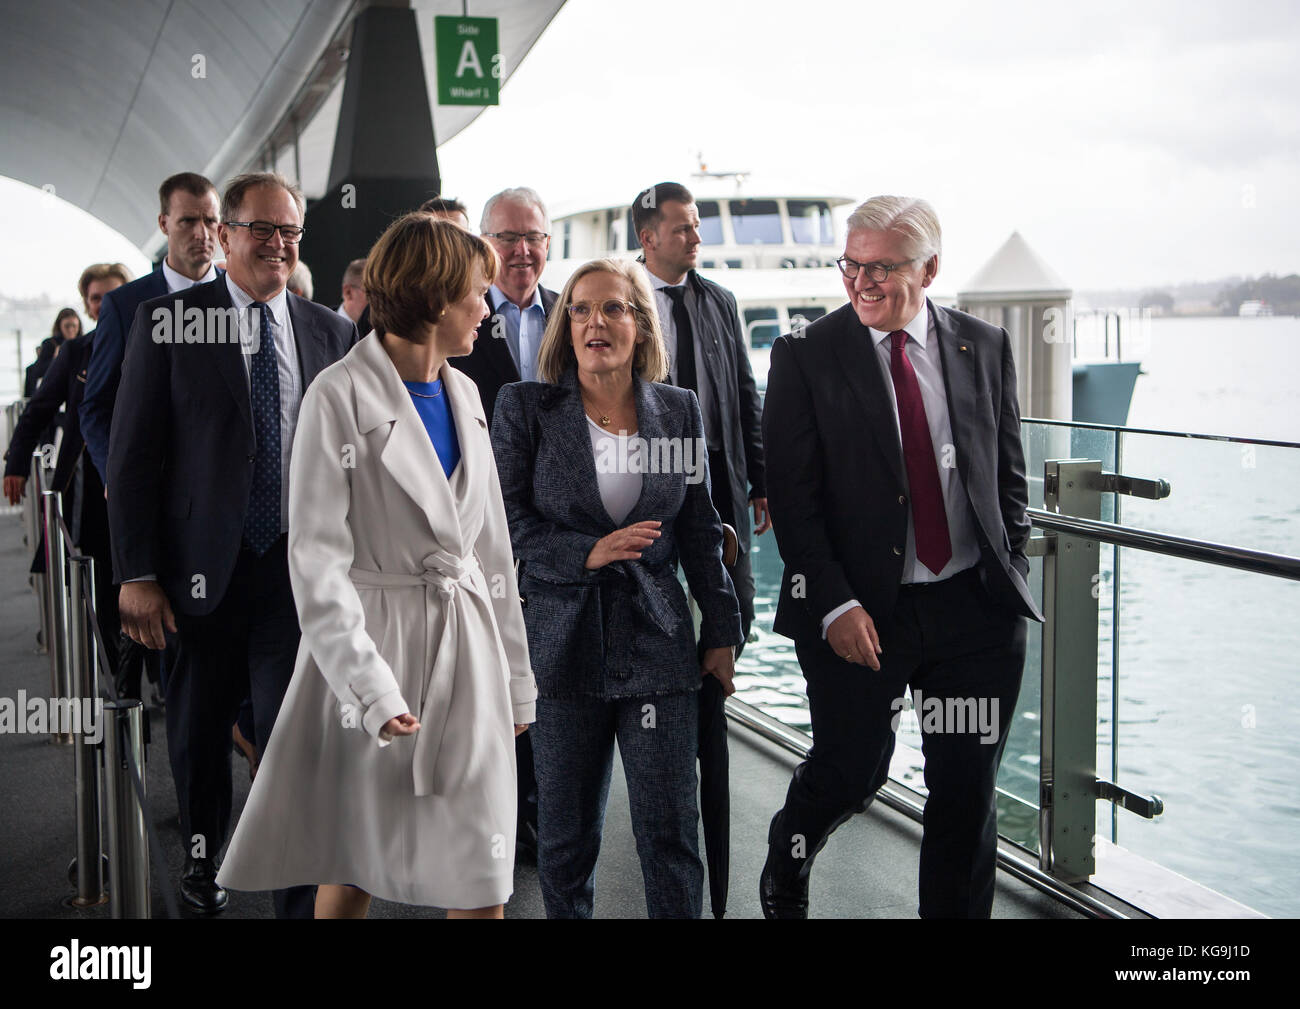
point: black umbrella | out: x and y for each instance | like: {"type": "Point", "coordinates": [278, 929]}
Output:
{"type": "Point", "coordinates": [715, 775]}
{"type": "Point", "coordinates": [715, 792]}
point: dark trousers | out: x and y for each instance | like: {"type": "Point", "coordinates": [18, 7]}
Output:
{"type": "Point", "coordinates": [246, 647]}
{"type": "Point", "coordinates": [959, 649]}
{"type": "Point", "coordinates": [573, 742]}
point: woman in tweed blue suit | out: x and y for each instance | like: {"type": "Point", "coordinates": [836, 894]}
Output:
{"type": "Point", "coordinates": [604, 474]}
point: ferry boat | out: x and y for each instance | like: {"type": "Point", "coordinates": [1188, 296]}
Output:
{"type": "Point", "coordinates": [775, 248]}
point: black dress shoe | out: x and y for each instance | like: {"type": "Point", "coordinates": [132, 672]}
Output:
{"type": "Point", "coordinates": [199, 887]}
{"type": "Point", "coordinates": [526, 843]}
{"type": "Point", "coordinates": [782, 902]}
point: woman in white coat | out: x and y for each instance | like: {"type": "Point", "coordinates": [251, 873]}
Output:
{"type": "Point", "coordinates": [391, 770]}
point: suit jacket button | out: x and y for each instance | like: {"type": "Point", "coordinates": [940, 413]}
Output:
{"type": "Point", "coordinates": [898, 551]}
{"type": "Point", "coordinates": [252, 458]}
{"type": "Point", "coordinates": [902, 499]}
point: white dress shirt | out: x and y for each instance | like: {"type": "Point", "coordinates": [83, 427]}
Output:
{"type": "Point", "coordinates": [922, 349]}
{"type": "Point", "coordinates": [705, 391]}
{"type": "Point", "coordinates": [286, 357]}
{"type": "Point", "coordinates": [180, 282]}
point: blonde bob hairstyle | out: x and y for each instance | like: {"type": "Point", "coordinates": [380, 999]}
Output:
{"type": "Point", "coordinates": [420, 265]}
{"type": "Point", "coordinates": [650, 360]}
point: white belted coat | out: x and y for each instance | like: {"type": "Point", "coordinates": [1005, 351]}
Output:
{"type": "Point", "coordinates": [405, 587]}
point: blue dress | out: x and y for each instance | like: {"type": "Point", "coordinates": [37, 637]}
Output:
{"type": "Point", "coordinates": [435, 412]}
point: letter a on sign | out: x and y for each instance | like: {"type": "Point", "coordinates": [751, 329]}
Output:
{"type": "Point", "coordinates": [465, 46]}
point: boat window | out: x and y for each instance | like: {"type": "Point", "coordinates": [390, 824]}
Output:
{"type": "Point", "coordinates": [710, 222]}
{"type": "Point", "coordinates": [810, 222]}
{"type": "Point", "coordinates": [810, 313]}
{"type": "Point", "coordinates": [756, 222]}
{"type": "Point", "coordinates": [734, 264]}
{"type": "Point", "coordinates": [761, 326]}
{"type": "Point", "coordinates": [612, 244]}
{"type": "Point", "coordinates": [633, 242]}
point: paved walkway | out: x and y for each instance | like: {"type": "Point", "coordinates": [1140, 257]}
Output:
{"type": "Point", "coordinates": [868, 870]}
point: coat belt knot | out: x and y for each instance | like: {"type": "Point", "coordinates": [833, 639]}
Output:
{"type": "Point", "coordinates": [467, 636]}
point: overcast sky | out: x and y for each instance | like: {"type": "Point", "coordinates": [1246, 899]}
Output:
{"type": "Point", "coordinates": [1131, 144]}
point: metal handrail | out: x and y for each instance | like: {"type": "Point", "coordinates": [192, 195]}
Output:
{"type": "Point", "coordinates": [1117, 429]}
{"type": "Point", "coordinates": [899, 798]}
{"type": "Point", "coordinates": [1239, 558]}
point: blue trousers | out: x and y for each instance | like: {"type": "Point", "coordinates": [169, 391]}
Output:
{"type": "Point", "coordinates": [573, 744]}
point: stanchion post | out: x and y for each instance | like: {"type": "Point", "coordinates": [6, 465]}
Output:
{"type": "Point", "coordinates": [56, 574]}
{"type": "Point", "coordinates": [85, 668]}
{"type": "Point", "coordinates": [128, 842]}
{"type": "Point", "coordinates": [33, 518]}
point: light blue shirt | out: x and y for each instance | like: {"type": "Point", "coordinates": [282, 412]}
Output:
{"type": "Point", "coordinates": [523, 329]}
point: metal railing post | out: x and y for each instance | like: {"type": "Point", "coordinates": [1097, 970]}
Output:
{"type": "Point", "coordinates": [128, 842]}
{"type": "Point", "coordinates": [32, 520]}
{"type": "Point", "coordinates": [56, 574]}
{"type": "Point", "coordinates": [85, 667]}
{"type": "Point", "coordinates": [1068, 743]}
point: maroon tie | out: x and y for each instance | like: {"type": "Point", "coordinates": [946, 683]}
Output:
{"type": "Point", "coordinates": [933, 547]}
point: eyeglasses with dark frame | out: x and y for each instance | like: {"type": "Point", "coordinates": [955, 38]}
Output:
{"type": "Point", "coordinates": [878, 272]}
{"type": "Point", "coordinates": [612, 310]}
{"type": "Point", "coordinates": [263, 230]}
{"type": "Point", "coordinates": [533, 238]}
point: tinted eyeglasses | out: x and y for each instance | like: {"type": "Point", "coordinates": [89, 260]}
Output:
{"type": "Point", "coordinates": [878, 272]}
{"type": "Point", "coordinates": [263, 230]}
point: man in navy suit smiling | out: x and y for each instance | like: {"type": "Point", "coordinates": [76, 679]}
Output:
{"type": "Point", "coordinates": [198, 501]}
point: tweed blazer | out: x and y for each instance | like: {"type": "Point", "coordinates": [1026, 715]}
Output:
{"type": "Point", "coordinates": [624, 630]}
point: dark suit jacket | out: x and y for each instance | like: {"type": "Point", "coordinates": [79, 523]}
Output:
{"type": "Point", "coordinates": [489, 364]}
{"type": "Point", "coordinates": [715, 325]}
{"type": "Point", "coordinates": [35, 372]}
{"type": "Point", "coordinates": [62, 387]}
{"type": "Point", "coordinates": [181, 459]}
{"type": "Point", "coordinates": [104, 372]}
{"type": "Point", "coordinates": [623, 630]}
{"type": "Point", "coordinates": [840, 508]}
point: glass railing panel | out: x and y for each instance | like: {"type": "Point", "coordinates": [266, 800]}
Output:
{"type": "Point", "coordinates": [1209, 720]}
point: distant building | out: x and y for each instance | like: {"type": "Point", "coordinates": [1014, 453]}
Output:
{"type": "Point", "coordinates": [1254, 309]}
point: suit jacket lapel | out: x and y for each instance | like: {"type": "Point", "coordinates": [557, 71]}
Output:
{"type": "Point", "coordinates": [311, 349]}
{"type": "Point", "coordinates": [230, 356]}
{"type": "Point", "coordinates": [703, 337]}
{"type": "Point", "coordinates": [958, 359]}
{"type": "Point", "coordinates": [564, 424]}
{"type": "Point", "coordinates": [382, 399]}
{"type": "Point", "coordinates": [857, 354]}
{"type": "Point", "coordinates": [653, 419]}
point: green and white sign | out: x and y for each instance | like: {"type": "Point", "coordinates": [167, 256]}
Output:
{"type": "Point", "coordinates": [469, 61]}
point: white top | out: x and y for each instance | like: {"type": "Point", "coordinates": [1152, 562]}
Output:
{"type": "Point", "coordinates": [922, 349]}
{"type": "Point", "coordinates": [619, 482]}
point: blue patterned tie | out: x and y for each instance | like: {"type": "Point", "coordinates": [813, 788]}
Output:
{"type": "Point", "coordinates": [262, 523]}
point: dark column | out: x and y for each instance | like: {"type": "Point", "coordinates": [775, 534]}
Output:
{"type": "Point", "coordinates": [384, 162]}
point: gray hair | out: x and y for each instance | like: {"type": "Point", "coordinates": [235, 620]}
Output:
{"type": "Point", "coordinates": [914, 219]}
{"type": "Point", "coordinates": [233, 198]}
{"type": "Point", "coordinates": [520, 194]}
{"type": "Point", "coordinates": [300, 281]}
